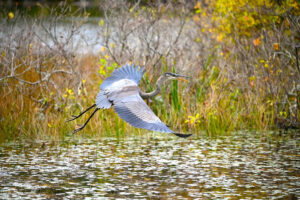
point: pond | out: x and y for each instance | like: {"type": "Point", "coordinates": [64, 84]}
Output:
{"type": "Point", "coordinates": [245, 165]}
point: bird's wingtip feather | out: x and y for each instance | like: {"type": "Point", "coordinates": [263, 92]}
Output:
{"type": "Point", "coordinates": [182, 135]}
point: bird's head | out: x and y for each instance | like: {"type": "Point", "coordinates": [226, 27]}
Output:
{"type": "Point", "coordinates": [173, 76]}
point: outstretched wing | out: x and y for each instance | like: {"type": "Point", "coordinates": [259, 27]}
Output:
{"type": "Point", "coordinates": [121, 91]}
{"type": "Point", "coordinates": [125, 72]}
{"type": "Point", "coordinates": [120, 78]}
{"type": "Point", "coordinates": [135, 111]}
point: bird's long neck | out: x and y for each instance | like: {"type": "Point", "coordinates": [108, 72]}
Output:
{"type": "Point", "coordinates": [160, 81]}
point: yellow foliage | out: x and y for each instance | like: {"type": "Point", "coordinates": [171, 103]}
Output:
{"type": "Point", "coordinates": [11, 15]}
{"type": "Point", "coordinates": [162, 9]}
{"type": "Point", "coordinates": [196, 18]}
{"type": "Point", "coordinates": [3, 54]}
{"type": "Point", "coordinates": [193, 119]}
{"type": "Point", "coordinates": [256, 42]}
{"type": "Point", "coordinates": [220, 37]}
{"type": "Point", "coordinates": [198, 5]}
{"type": "Point", "coordinates": [244, 17]}
{"type": "Point", "coordinates": [266, 65]}
{"type": "Point", "coordinates": [106, 56]}
{"type": "Point", "coordinates": [101, 22]}
{"type": "Point", "coordinates": [276, 46]}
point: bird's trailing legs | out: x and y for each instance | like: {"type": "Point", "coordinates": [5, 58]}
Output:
{"type": "Point", "coordinates": [75, 117]}
{"type": "Point", "coordinates": [87, 121]}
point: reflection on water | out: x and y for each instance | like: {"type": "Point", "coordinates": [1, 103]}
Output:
{"type": "Point", "coordinates": [244, 166]}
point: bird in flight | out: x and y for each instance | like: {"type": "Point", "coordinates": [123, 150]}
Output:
{"type": "Point", "coordinates": [121, 91]}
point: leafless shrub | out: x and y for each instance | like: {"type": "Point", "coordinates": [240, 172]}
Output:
{"type": "Point", "coordinates": [143, 34]}
{"type": "Point", "coordinates": [38, 55]}
{"type": "Point", "coordinates": [41, 57]}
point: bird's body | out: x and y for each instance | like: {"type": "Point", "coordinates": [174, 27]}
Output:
{"type": "Point", "coordinates": [121, 91]}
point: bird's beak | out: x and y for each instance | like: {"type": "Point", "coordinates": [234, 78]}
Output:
{"type": "Point", "coordinates": [182, 79]}
{"type": "Point", "coordinates": [178, 76]}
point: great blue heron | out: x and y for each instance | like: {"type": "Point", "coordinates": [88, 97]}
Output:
{"type": "Point", "coordinates": [121, 91]}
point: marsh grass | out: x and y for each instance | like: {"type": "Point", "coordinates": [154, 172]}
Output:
{"type": "Point", "coordinates": [250, 84]}
{"type": "Point", "coordinates": [216, 109]}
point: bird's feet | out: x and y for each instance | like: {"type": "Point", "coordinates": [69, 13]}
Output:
{"type": "Point", "coordinates": [74, 117]}
{"type": "Point", "coordinates": [77, 130]}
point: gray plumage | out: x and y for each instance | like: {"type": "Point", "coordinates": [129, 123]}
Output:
{"type": "Point", "coordinates": [121, 91]}
{"type": "Point", "coordinates": [125, 72]}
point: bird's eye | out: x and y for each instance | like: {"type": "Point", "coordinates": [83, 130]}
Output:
{"type": "Point", "coordinates": [169, 74]}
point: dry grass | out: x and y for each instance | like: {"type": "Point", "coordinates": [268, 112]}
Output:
{"type": "Point", "coordinates": [234, 86]}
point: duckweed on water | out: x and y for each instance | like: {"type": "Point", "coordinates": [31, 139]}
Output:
{"type": "Point", "coordinates": [244, 165]}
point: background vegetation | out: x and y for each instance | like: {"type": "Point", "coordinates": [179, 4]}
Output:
{"type": "Point", "coordinates": [242, 57]}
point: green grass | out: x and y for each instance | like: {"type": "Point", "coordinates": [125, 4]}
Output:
{"type": "Point", "coordinates": [217, 107]}
{"type": "Point", "coordinates": [234, 86]}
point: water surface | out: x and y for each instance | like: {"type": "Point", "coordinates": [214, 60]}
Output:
{"type": "Point", "coordinates": [241, 166]}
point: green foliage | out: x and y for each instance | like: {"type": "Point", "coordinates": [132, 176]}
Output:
{"type": "Point", "coordinates": [174, 94]}
{"type": "Point", "coordinates": [105, 68]}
